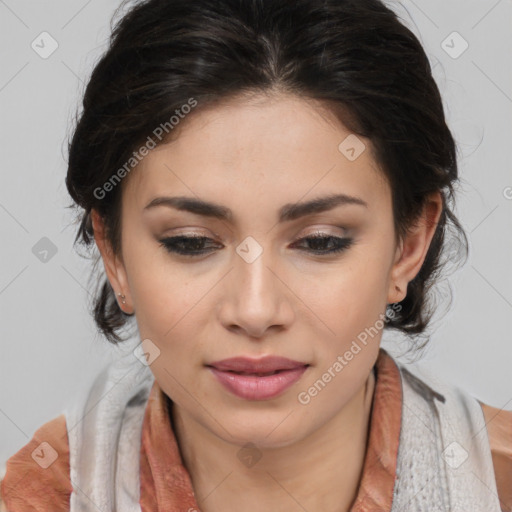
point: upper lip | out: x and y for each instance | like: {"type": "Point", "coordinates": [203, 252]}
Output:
{"type": "Point", "coordinates": [261, 365]}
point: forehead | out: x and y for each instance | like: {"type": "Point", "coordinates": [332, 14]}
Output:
{"type": "Point", "coordinates": [266, 146]}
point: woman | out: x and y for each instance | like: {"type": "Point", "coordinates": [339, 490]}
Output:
{"type": "Point", "coordinates": [269, 185]}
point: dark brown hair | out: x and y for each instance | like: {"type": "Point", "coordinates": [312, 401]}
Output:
{"type": "Point", "coordinates": [354, 55]}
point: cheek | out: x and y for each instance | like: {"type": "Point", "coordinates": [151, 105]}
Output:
{"type": "Point", "coordinates": [164, 301]}
{"type": "Point", "coordinates": [157, 287]}
{"type": "Point", "coordinates": [356, 285]}
{"type": "Point", "coordinates": [347, 305]}
{"type": "Point", "coordinates": [171, 303]}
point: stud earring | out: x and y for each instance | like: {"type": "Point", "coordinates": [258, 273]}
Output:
{"type": "Point", "coordinates": [122, 298]}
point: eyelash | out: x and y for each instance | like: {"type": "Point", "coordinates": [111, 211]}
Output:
{"type": "Point", "coordinates": [171, 244]}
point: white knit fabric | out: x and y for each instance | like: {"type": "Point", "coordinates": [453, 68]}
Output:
{"type": "Point", "coordinates": [104, 432]}
{"type": "Point", "coordinates": [444, 461]}
{"type": "Point", "coordinates": [105, 428]}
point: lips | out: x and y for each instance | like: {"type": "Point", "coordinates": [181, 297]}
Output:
{"type": "Point", "coordinates": [257, 379]}
{"type": "Point", "coordinates": [264, 366]}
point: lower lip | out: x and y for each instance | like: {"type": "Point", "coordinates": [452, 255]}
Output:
{"type": "Point", "coordinates": [252, 387]}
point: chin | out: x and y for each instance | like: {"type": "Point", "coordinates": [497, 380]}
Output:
{"type": "Point", "coordinates": [261, 428]}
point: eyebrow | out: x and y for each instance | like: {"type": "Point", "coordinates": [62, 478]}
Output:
{"type": "Point", "coordinates": [288, 212]}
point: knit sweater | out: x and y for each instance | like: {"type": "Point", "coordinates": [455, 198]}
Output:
{"type": "Point", "coordinates": [152, 477]}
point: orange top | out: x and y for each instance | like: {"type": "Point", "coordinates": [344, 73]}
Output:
{"type": "Point", "coordinates": [165, 483]}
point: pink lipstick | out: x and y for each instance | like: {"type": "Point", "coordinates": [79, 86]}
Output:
{"type": "Point", "coordinates": [257, 379]}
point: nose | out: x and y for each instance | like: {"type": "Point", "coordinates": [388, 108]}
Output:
{"type": "Point", "coordinates": [256, 297]}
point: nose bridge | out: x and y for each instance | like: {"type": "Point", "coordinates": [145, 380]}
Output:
{"type": "Point", "coordinates": [255, 299]}
{"type": "Point", "coordinates": [253, 279]}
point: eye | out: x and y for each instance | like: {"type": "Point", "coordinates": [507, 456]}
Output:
{"type": "Point", "coordinates": [319, 243]}
{"type": "Point", "coordinates": [186, 245]}
{"type": "Point", "coordinates": [195, 245]}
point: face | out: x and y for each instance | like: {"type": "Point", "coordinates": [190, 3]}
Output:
{"type": "Point", "coordinates": [256, 282]}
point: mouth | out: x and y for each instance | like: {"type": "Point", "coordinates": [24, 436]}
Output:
{"type": "Point", "coordinates": [257, 374]}
{"type": "Point", "coordinates": [266, 365]}
{"type": "Point", "coordinates": [251, 383]}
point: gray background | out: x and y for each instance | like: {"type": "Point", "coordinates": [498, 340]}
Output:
{"type": "Point", "coordinates": [50, 350]}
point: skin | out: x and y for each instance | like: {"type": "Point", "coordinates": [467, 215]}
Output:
{"type": "Point", "coordinates": [253, 155]}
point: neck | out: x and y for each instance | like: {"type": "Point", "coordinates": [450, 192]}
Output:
{"type": "Point", "coordinates": [320, 472]}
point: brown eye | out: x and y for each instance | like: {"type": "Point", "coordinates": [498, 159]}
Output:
{"type": "Point", "coordinates": [186, 245]}
{"type": "Point", "coordinates": [320, 244]}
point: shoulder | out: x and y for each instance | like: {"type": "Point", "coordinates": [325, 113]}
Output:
{"type": "Point", "coordinates": [499, 429]}
{"type": "Point", "coordinates": [37, 476]}
{"type": "Point", "coordinates": [498, 423]}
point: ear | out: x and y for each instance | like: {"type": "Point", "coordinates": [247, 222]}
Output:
{"type": "Point", "coordinates": [412, 250]}
{"type": "Point", "coordinates": [114, 266]}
